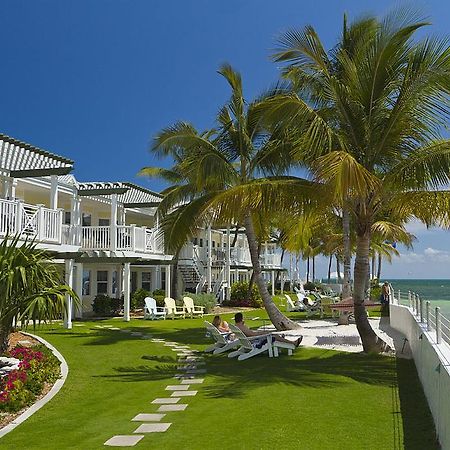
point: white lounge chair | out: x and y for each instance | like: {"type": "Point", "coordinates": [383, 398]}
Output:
{"type": "Point", "coordinates": [312, 307]}
{"type": "Point", "coordinates": [172, 309]}
{"type": "Point", "coordinates": [247, 347]}
{"type": "Point", "coordinates": [223, 341]}
{"type": "Point", "coordinates": [152, 311]}
{"type": "Point", "coordinates": [191, 309]}
{"type": "Point", "coordinates": [291, 307]}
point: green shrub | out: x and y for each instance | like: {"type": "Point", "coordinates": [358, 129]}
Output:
{"type": "Point", "coordinates": [137, 299]}
{"type": "Point", "coordinates": [240, 295]}
{"type": "Point", "coordinates": [206, 300]}
{"type": "Point", "coordinates": [159, 295]}
{"type": "Point", "coordinates": [107, 306]}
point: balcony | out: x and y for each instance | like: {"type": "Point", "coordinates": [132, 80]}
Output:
{"type": "Point", "coordinates": [30, 221]}
{"type": "Point", "coordinates": [129, 238]}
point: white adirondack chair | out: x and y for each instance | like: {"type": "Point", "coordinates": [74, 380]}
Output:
{"type": "Point", "coordinates": [172, 309]}
{"type": "Point", "coordinates": [152, 311]}
{"type": "Point", "coordinates": [247, 348]}
{"type": "Point", "coordinates": [223, 341]}
{"type": "Point", "coordinates": [191, 309]}
{"type": "Point", "coordinates": [290, 306]}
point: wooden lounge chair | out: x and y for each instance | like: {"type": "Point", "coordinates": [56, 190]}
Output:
{"type": "Point", "coordinates": [248, 347]}
{"type": "Point", "coordinates": [223, 341]}
{"type": "Point", "coordinates": [152, 311]}
{"type": "Point", "coordinates": [172, 309]}
{"type": "Point", "coordinates": [191, 309]}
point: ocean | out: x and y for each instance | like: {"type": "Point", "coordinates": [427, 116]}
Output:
{"type": "Point", "coordinates": [436, 291]}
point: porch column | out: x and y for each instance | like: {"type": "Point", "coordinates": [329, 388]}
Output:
{"type": "Point", "coordinates": [272, 273]}
{"type": "Point", "coordinates": [228, 265]}
{"type": "Point", "coordinates": [236, 275]}
{"type": "Point", "coordinates": [79, 289]}
{"type": "Point", "coordinates": [126, 291]}
{"type": "Point", "coordinates": [209, 268]}
{"type": "Point", "coordinates": [282, 282]}
{"type": "Point", "coordinates": [69, 282]}
{"type": "Point", "coordinates": [54, 192]}
{"type": "Point", "coordinates": [168, 281]}
{"type": "Point", "coordinates": [113, 226]}
{"type": "Point", "coordinates": [12, 188]}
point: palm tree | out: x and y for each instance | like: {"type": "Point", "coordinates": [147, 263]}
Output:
{"type": "Point", "coordinates": [370, 113]}
{"type": "Point", "coordinates": [30, 287]}
{"type": "Point", "coordinates": [223, 178]}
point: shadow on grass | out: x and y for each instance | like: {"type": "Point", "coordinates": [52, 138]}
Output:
{"type": "Point", "coordinates": [418, 426]}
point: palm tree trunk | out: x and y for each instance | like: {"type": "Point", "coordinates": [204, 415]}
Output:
{"type": "Point", "coordinates": [338, 269]}
{"type": "Point", "coordinates": [313, 268]}
{"type": "Point", "coordinates": [346, 287]}
{"type": "Point", "coordinates": [4, 337]}
{"type": "Point", "coordinates": [373, 265]}
{"type": "Point", "coordinates": [307, 270]}
{"type": "Point", "coordinates": [252, 277]}
{"type": "Point", "coordinates": [329, 268]}
{"type": "Point", "coordinates": [379, 267]}
{"type": "Point", "coordinates": [370, 341]}
{"type": "Point", "coordinates": [279, 320]}
{"type": "Point", "coordinates": [175, 284]}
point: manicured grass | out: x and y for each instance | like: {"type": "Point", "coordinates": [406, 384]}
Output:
{"type": "Point", "coordinates": [317, 399]}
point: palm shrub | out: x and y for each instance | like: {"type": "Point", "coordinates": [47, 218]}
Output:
{"type": "Point", "coordinates": [31, 288]}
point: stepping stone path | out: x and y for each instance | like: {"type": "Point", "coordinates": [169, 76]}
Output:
{"type": "Point", "coordinates": [151, 422]}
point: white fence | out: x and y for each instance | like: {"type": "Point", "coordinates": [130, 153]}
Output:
{"type": "Point", "coordinates": [30, 221]}
{"type": "Point", "coordinates": [428, 335]}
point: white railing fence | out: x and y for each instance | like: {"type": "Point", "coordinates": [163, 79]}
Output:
{"type": "Point", "coordinates": [30, 221]}
{"type": "Point", "coordinates": [427, 331]}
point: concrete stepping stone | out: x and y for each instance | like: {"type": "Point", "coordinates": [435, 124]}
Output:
{"type": "Point", "coordinates": [184, 393]}
{"type": "Point", "coordinates": [99, 326]}
{"type": "Point", "coordinates": [148, 418]}
{"type": "Point", "coordinates": [157, 340]}
{"type": "Point", "coordinates": [192, 358]}
{"type": "Point", "coordinates": [78, 324]}
{"type": "Point", "coordinates": [159, 401]}
{"type": "Point", "coordinates": [170, 408]}
{"type": "Point", "coordinates": [177, 387]}
{"type": "Point", "coordinates": [136, 334]}
{"type": "Point", "coordinates": [115, 328]}
{"type": "Point", "coordinates": [184, 375]}
{"type": "Point", "coordinates": [124, 440]}
{"type": "Point", "coordinates": [193, 381]}
{"type": "Point", "coordinates": [152, 428]}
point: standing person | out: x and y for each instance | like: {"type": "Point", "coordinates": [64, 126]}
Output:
{"type": "Point", "coordinates": [239, 320]}
{"type": "Point", "coordinates": [385, 293]}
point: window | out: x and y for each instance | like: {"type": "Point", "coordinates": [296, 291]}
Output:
{"type": "Point", "coordinates": [163, 279]}
{"type": "Point", "coordinates": [102, 281]}
{"type": "Point", "coordinates": [103, 222]}
{"type": "Point", "coordinates": [86, 282]}
{"type": "Point", "coordinates": [195, 241]}
{"type": "Point", "coordinates": [201, 242]}
{"type": "Point", "coordinates": [147, 281]}
{"type": "Point", "coordinates": [67, 215]}
{"type": "Point", "coordinates": [133, 282]}
{"type": "Point", "coordinates": [86, 220]}
{"type": "Point", "coordinates": [213, 244]}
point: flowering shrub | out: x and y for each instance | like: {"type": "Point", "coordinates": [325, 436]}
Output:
{"type": "Point", "coordinates": [20, 387]}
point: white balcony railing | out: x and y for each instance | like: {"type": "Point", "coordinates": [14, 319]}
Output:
{"type": "Point", "coordinates": [30, 221]}
{"type": "Point", "coordinates": [128, 238]}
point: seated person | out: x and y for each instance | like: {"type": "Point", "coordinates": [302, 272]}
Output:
{"type": "Point", "coordinates": [221, 325]}
{"type": "Point", "coordinates": [239, 320]}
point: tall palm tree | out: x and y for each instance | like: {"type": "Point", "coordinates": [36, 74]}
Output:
{"type": "Point", "coordinates": [233, 175]}
{"type": "Point", "coordinates": [370, 112]}
{"type": "Point", "coordinates": [31, 289]}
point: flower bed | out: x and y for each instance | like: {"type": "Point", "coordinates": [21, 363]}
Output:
{"type": "Point", "coordinates": [38, 367]}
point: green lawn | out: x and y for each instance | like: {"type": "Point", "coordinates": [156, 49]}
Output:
{"type": "Point", "coordinates": [317, 399]}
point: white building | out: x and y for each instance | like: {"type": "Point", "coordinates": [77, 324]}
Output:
{"type": "Point", "coordinates": [105, 234]}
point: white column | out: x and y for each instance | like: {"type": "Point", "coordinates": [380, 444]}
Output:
{"type": "Point", "coordinates": [126, 291]}
{"type": "Point", "coordinates": [113, 225]}
{"type": "Point", "coordinates": [228, 264]}
{"type": "Point", "coordinates": [272, 272]}
{"type": "Point", "coordinates": [69, 282]}
{"type": "Point", "coordinates": [54, 192]}
{"type": "Point", "coordinates": [282, 282]}
{"type": "Point", "coordinates": [209, 267]}
{"type": "Point", "coordinates": [79, 289]}
{"type": "Point", "coordinates": [168, 281]}
{"type": "Point", "coordinates": [12, 188]}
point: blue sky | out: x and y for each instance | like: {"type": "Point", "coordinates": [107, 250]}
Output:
{"type": "Point", "coordinates": [95, 80]}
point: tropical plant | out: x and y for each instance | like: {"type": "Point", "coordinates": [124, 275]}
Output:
{"type": "Point", "coordinates": [31, 289]}
{"type": "Point", "coordinates": [218, 178]}
{"type": "Point", "coordinates": [369, 115]}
